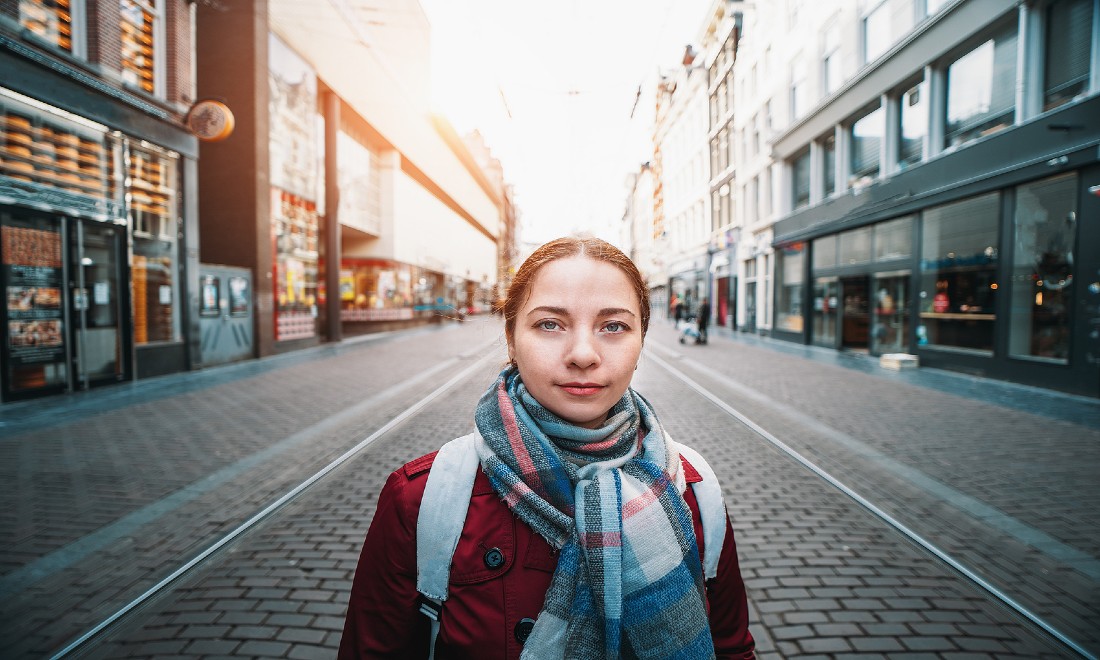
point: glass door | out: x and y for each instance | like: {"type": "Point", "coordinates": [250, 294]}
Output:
{"type": "Point", "coordinates": [95, 259]}
{"type": "Point", "coordinates": [855, 313]}
{"type": "Point", "coordinates": [826, 318]}
{"type": "Point", "coordinates": [891, 313]}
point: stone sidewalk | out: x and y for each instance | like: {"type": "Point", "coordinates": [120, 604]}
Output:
{"type": "Point", "coordinates": [825, 577]}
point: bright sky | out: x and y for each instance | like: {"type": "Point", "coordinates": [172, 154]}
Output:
{"type": "Point", "coordinates": [551, 86]}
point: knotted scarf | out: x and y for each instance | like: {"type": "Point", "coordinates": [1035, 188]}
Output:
{"type": "Point", "coordinates": [629, 581]}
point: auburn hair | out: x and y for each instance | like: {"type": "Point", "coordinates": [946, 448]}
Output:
{"type": "Point", "coordinates": [564, 248]}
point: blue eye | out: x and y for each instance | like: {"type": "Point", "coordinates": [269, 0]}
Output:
{"type": "Point", "coordinates": [615, 327]}
{"type": "Point", "coordinates": [547, 325]}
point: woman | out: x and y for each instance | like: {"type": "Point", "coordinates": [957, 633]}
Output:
{"type": "Point", "coordinates": [580, 540]}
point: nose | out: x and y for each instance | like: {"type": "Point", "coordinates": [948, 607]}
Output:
{"type": "Point", "coordinates": [582, 351]}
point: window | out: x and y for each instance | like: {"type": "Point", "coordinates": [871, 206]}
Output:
{"type": "Point", "coordinates": [981, 87]}
{"type": "Point", "coordinates": [153, 182]}
{"type": "Point", "coordinates": [50, 21]}
{"type": "Point", "coordinates": [788, 304]}
{"type": "Point", "coordinates": [1069, 35]}
{"type": "Point", "coordinates": [830, 62]}
{"type": "Point", "coordinates": [958, 283]}
{"type": "Point", "coordinates": [828, 146]}
{"type": "Point", "coordinates": [866, 134]}
{"type": "Point", "coordinates": [1042, 269]}
{"type": "Point", "coordinates": [893, 239]}
{"type": "Point", "coordinates": [913, 117]}
{"type": "Point", "coordinates": [799, 92]}
{"type": "Point", "coordinates": [723, 151]}
{"type": "Point", "coordinates": [140, 25]}
{"type": "Point", "coordinates": [800, 180]}
{"type": "Point", "coordinates": [876, 33]}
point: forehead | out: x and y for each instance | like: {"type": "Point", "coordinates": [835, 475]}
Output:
{"type": "Point", "coordinates": [581, 279]}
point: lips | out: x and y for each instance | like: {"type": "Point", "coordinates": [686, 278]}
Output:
{"type": "Point", "coordinates": [582, 389]}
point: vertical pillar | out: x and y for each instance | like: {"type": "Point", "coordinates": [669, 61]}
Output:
{"type": "Point", "coordinates": [332, 218]}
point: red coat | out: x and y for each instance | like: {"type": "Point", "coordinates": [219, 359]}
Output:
{"type": "Point", "coordinates": [487, 603]}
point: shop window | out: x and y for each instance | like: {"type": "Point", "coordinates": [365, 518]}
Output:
{"type": "Point", "coordinates": [866, 135]}
{"type": "Point", "coordinates": [153, 189]}
{"type": "Point", "coordinates": [788, 303]}
{"type": "Point", "coordinates": [855, 246]}
{"type": "Point", "coordinates": [1042, 269]}
{"type": "Point", "coordinates": [62, 155]}
{"type": "Point", "coordinates": [210, 297]}
{"type": "Point", "coordinates": [913, 119]}
{"type": "Point", "coordinates": [828, 146]}
{"type": "Point", "coordinates": [893, 239]}
{"type": "Point", "coordinates": [981, 89]}
{"type": "Point", "coordinates": [959, 274]}
{"type": "Point", "coordinates": [1069, 36]}
{"type": "Point", "coordinates": [295, 230]}
{"type": "Point", "coordinates": [824, 251]}
{"type": "Point", "coordinates": [800, 180]}
{"type": "Point", "coordinates": [49, 20]}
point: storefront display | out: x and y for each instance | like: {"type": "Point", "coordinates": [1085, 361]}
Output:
{"type": "Point", "coordinates": [295, 190]}
{"type": "Point", "coordinates": [34, 325]}
{"type": "Point", "coordinates": [153, 190]}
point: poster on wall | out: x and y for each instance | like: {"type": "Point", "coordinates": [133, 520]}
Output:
{"type": "Point", "coordinates": [34, 328]}
{"type": "Point", "coordinates": [293, 112]}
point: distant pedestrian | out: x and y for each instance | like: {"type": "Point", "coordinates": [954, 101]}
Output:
{"type": "Point", "coordinates": [679, 311]}
{"type": "Point", "coordinates": [703, 319]}
{"type": "Point", "coordinates": [589, 533]}
{"type": "Point", "coordinates": [674, 307]}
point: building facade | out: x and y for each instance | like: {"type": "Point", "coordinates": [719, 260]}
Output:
{"type": "Point", "coordinates": [939, 185]}
{"type": "Point", "coordinates": [720, 35]}
{"type": "Point", "coordinates": [680, 157]}
{"type": "Point", "coordinates": [98, 184]}
{"type": "Point", "coordinates": [351, 206]}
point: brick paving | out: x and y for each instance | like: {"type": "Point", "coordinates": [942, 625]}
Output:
{"type": "Point", "coordinates": [825, 577]}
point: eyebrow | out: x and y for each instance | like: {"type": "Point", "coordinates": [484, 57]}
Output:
{"type": "Point", "coordinates": [561, 311]}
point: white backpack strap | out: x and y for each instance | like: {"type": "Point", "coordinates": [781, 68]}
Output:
{"type": "Point", "coordinates": [440, 521]}
{"type": "Point", "coordinates": [712, 509]}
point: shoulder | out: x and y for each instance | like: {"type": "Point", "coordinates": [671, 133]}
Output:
{"type": "Point", "coordinates": [691, 475]}
{"type": "Point", "coordinates": [418, 466]}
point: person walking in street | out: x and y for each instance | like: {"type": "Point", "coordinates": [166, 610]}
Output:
{"type": "Point", "coordinates": [703, 319]}
{"type": "Point", "coordinates": [581, 529]}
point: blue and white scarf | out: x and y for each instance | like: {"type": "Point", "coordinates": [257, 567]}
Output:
{"type": "Point", "coordinates": [629, 581]}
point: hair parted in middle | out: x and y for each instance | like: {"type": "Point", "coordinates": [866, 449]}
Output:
{"type": "Point", "coordinates": [564, 248]}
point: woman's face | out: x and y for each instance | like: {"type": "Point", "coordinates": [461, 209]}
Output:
{"type": "Point", "coordinates": [577, 338]}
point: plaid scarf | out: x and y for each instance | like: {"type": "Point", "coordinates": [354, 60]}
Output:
{"type": "Point", "coordinates": [628, 581]}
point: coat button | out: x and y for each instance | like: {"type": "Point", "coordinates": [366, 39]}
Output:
{"type": "Point", "coordinates": [494, 558]}
{"type": "Point", "coordinates": [523, 629]}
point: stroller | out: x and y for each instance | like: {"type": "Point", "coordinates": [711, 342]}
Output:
{"type": "Point", "coordinates": [689, 329]}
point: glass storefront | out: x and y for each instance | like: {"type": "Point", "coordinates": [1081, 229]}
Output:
{"type": "Point", "coordinates": [153, 194]}
{"type": "Point", "coordinates": [386, 290]}
{"type": "Point", "coordinates": [1045, 226]}
{"type": "Point", "coordinates": [958, 280]}
{"type": "Point", "coordinates": [826, 316]}
{"type": "Point", "coordinates": [788, 303]}
{"type": "Point", "coordinates": [94, 269]}
{"type": "Point", "coordinates": [295, 151]}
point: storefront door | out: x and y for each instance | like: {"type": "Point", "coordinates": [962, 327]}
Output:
{"type": "Point", "coordinates": [95, 303]}
{"type": "Point", "coordinates": [826, 303]}
{"type": "Point", "coordinates": [855, 313]}
{"type": "Point", "coordinates": [890, 322]}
